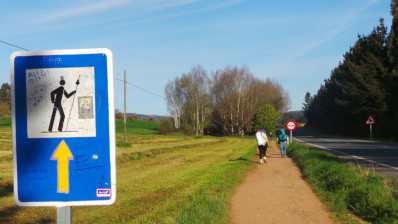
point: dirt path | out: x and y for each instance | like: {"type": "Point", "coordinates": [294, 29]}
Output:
{"type": "Point", "coordinates": [276, 193]}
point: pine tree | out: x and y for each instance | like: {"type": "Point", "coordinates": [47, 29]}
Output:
{"type": "Point", "coordinates": [392, 80]}
{"type": "Point", "coordinates": [362, 77]}
{"type": "Point", "coordinates": [393, 37]}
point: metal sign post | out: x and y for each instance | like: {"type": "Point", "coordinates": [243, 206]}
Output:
{"type": "Point", "coordinates": [63, 149]}
{"type": "Point", "coordinates": [64, 215]}
{"type": "Point", "coordinates": [291, 125]}
{"type": "Point", "coordinates": [370, 131]}
{"type": "Point", "coordinates": [370, 121]}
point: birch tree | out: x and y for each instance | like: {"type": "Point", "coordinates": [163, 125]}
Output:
{"type": "Point", "coordinates": [237, 96]}
{"type": "Point", "coordinates": [174, 102]}
{"type": "Point", "coordinates": [230, 98]}
{"type": "Point", "coordinates": [193, 89]}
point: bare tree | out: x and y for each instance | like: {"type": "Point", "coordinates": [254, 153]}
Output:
{"type": "Point", "coordinates": [234, 98]}
{"type": "Point", "coordinates": [230, 91]}
{"type": "Point", "coordinates": [189, 98]}
{"type": "Point", "coordinates": [174, 102]}
{"type": "Point", "coordinates": [237, 95]}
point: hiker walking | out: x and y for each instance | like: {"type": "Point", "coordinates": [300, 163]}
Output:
{"type": "Point", "coordinates": [262, 142]}
{"type": "Point", "coordinates": [56, 98]}
{"type": "Point", "coordinates": [282, 141]}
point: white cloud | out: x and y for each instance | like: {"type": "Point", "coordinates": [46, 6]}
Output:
{"type": "Point", "coordinates": [78, 11]}
{"type": "Point", "coordinates": [342, 26]}
{"type": "Point", "coordinates": [84, 14]}
{"type": "Point", "coordinates": [211, 7]}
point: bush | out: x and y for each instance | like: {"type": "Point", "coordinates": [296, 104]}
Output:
{"type": "Point", "coordinates": [188, 129]}
{"type": "Point", "coordinates": [132, 118]}
{"type": "Point", "coordinates": [5, 108]}
{"type": "Point", "coordinates": [5, 121]}
{"type": "Point", "coordinates": [123, 144]}
{"type": "Point", "coordinates": [265, 118]}
{"type": "Point", "coordinates": [166, 126]}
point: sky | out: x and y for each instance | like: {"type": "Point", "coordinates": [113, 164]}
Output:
{"type": "Point", "coordinates": [296, 43]}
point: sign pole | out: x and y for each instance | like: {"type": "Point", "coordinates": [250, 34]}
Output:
{"type": "Point", "coordinates": [64, 215]}
{"type": "Point", "coordinates": [370, 131]}
{"type": "Point", "coordinates": [370, 121]}
{"type": "Point", "coordinates": [291, 125]}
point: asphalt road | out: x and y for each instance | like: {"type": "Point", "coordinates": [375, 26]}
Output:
{"type": "Point", "coordinates": [381, 157]}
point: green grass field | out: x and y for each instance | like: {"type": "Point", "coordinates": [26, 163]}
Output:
{"type": "Point", "coordinates": [137, 127]}
{"type": "Point", "coordinates": [184, 179]}
{"type": "Point", "coordinates": [160, 179]}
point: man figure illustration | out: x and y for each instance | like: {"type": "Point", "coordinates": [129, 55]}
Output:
{"type": "Point", "coordinates": [56, 98]}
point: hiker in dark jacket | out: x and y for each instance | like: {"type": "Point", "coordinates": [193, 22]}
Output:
{"type": "Point", "coordinates": [282, 141]}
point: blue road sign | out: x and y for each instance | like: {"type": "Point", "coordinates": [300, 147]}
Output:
{"type": "Point", "coordinates": [63, 127]}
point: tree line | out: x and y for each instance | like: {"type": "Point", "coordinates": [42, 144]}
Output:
{"type": "Point", "coordinates": [5, 100]}
{"type": "Point", "coordinates": [224, 102]}
{"type": "Point", "coordinates": [364, 84]}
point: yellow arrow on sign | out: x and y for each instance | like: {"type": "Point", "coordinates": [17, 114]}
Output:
{"type": "Point", "coordinates": [63, 155]}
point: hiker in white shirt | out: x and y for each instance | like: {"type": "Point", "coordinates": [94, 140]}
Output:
{"type": "Point", "coordinates": [262, 142]}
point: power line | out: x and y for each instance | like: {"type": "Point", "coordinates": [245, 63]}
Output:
{"type": "Point", "coordinates": [154, 94]}
{"type": "Point", "coordinates": [14, 45]}
{"type": "Point", "coordinates": [141, 89]}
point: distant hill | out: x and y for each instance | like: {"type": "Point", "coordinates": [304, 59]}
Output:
{"type": "Point", "coordinates": [148, 117]}
{"type": "Point", "coordinates": [297, 116]}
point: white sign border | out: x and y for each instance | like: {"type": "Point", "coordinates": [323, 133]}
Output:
{"type": "Point", "coordinates": [112, 141]}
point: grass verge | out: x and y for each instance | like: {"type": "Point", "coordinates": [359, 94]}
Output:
{"type": "Point", "coordinates": [5, 121]}
{"type": "Point", "coordinates": [123, 144]}
{"type": "Point", "coordinates": [347, 188]}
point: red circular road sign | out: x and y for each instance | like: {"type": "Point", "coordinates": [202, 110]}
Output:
{"type": "Point", "coordinates": [291, 125]}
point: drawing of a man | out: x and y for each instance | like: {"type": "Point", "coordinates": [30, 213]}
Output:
{"type": "Point", "coordinates": [56, 98]}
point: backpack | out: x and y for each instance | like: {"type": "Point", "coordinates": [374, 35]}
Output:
{"type": "Point", "coordinates": [282, 138]}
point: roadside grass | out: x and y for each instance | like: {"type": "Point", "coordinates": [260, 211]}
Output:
{"type": "Point", "coordinates": [5, 121]}
{"type": "Point", "coordinates": [5, 139]}
{"type": "Point", "coordinates": [346, 188]}
{"type": "Point", "coordinates": [5, 156]}
{"type": "Point", "coordinates": [123, 144]}
{"type": "Point", "coordinates": [178, 179]}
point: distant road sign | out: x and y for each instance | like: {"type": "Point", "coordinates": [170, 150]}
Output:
{"type": "Point", "coordinates": [63, 127]}
{"type": "Point", "coordinates": [291, 125]}
{"type": "Point", "coordinates": [370, 120]}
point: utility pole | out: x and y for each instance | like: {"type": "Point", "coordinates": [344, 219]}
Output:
{"type": "Point", "coordinates": [124, 106]}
